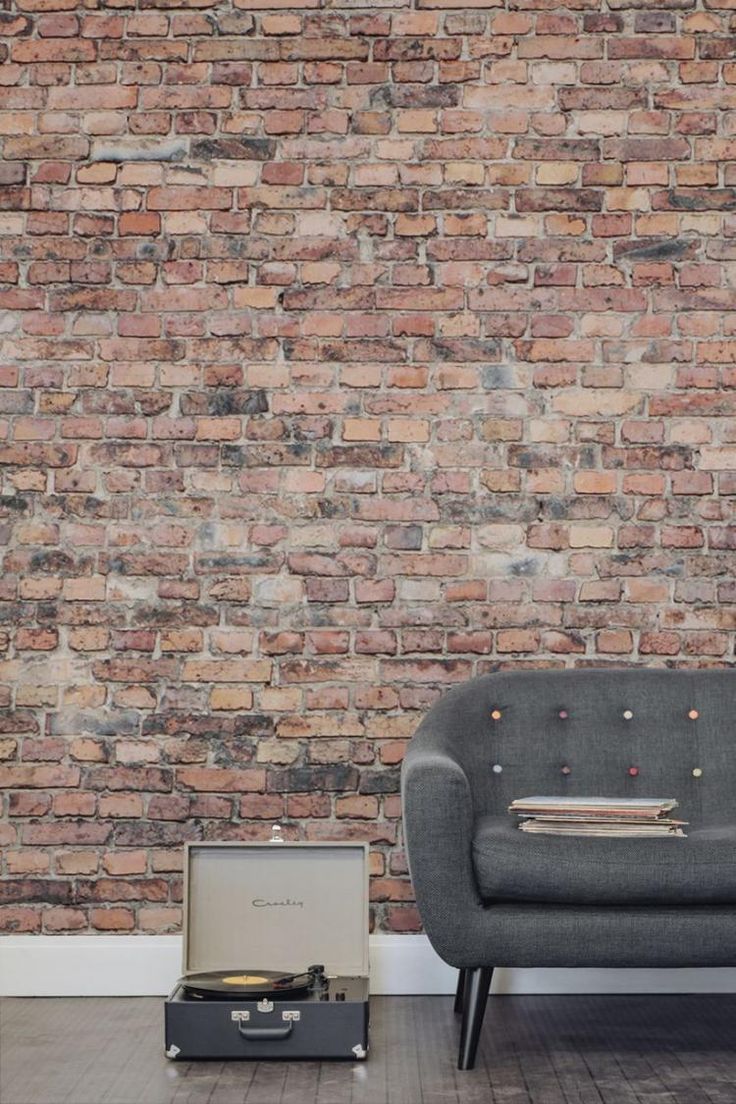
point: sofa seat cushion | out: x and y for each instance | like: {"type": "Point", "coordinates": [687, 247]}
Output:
{"type": "Point", "coordinates": [515, 866]}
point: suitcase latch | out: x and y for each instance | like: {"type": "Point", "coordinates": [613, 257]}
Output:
{"type": "Point", "coordinates": [289, 1015]}
{"type": "Point", "coordinates": [265, 1005]}
{"type": "Point", "coordinates": [239, 1017]}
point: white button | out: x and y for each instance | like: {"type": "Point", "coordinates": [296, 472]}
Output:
{"type": "Point", "coordinates": [628, 714]}
{"type": "Point", "coordinates": [496, 768]}
{"type": "Point", "coordinates": [697, 772]}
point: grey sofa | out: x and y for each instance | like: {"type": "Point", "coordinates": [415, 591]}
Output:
{"type": "Point", "coordinates": [490, 895]}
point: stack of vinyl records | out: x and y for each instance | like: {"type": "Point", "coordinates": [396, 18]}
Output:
{"type": "Point", "coordinates": [598, 816]}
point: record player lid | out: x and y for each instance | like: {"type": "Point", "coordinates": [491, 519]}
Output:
{"type": "Point", "coordinates": [276, 906]}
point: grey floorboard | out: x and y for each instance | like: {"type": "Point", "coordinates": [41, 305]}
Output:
{"type": "Point", "coordinates": [370, 1083]}
{"type": "Point", "coordinates": [301, 1082]}
{"type": "Point", "coordinates": [436, 1056]}
{"type": "Point", "coordinates": [267, 1086]}
{"type": "Point", "coordinates": [534, 1050]}
{"type": "Point", "coordinates": [401, 1053]}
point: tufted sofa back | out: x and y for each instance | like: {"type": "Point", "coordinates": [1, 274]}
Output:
{"type": "Point", "coordinates": [593, 731]}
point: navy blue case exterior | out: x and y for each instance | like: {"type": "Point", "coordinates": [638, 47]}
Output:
{"type": "Point", "coordinates": [218, 1029]}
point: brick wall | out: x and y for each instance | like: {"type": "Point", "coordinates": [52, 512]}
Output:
{"type": "Point", "coordinates": [346, 353]}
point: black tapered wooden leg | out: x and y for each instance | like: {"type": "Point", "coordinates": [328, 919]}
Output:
{"type": "Point", "coordinates": [459, 992]}
{"type": "Point", "coordinates": [476, 985]}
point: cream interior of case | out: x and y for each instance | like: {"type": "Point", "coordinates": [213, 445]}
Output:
{"type": "Point", "coordinates": [276, 906]}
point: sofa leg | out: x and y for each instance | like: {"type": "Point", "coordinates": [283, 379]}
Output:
{"type": "Point", "coordinates": [459, 992]}
{"type": "Point", "coordinates": [476, 985]}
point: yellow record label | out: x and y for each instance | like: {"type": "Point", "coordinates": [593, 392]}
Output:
{"type": "Point", "coordinates": [245, 979]}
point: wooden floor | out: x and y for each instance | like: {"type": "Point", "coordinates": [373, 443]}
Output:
{"type": "Point", "coordinates": [534, 1050]}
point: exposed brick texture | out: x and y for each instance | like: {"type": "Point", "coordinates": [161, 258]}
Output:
{"type": "Point", "coordinates": [345, 353]}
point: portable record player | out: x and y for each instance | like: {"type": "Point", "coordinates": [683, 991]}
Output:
{"type": "Point", "coordinates": [275, 952]}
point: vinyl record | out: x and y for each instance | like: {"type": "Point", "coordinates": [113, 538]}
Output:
{"type": "Point", "coordinates": [223, 984]}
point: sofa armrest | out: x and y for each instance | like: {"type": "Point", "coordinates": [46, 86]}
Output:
{"type": "Point", "coordinates": [438, 830]}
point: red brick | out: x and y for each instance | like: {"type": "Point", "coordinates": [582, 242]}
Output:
{"type": "Point", "coordinates": [262, 806]}
{"type": "Point", "coordinates": [363, 806]}
{"type": "Point", "coordinates": [614, 641]}
{"type": "Point", "coordinates": [112, 919]}
{"type": "Point", "coordinates": [63, 919]}
{"type": "Point", "coordinates": [74, 804]}
{"type": "Point", "coordinates": [18, 918]}
{"type": "Point", "coordinates": [43, 777]}
{"type": "Point", "coordinates": [139, 224]}
{"type": "Point", "coordinates": [121, 805]}
{"type": "Point", "coordinates": [404, 918]}
{"type": "Point", "coordinates": [27, 862]}
{"type": "Point", "coordinates": [221, 781]}
{"type": "Point", "coordinates": [160, 919]}
{"type": "Point", "coordinates": [659, 643]}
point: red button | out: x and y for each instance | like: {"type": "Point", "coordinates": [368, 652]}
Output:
{"type": "Point", "coordinates": [633, 771]}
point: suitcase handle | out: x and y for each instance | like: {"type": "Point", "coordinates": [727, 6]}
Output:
{"type": "Point", "coordinates": [266, 1033]}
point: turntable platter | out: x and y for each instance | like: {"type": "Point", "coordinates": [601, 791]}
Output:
{"type": "Point", "coordinates": [225, 984]}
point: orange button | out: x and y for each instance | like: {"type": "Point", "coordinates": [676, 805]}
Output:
{"type": "Point", "coordinates": [496, 714]}
{"type": "Point", "coordinates": [693, 714]}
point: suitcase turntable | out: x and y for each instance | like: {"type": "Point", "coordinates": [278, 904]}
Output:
{"type": "Point", "coordinates": [273, 902]}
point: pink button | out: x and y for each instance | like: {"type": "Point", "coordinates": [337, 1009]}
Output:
{"type": "Point", "coordinates": [563, 714]}
{"type": "Point", "coordinates": [567, 770]}
{"type": "Point", "coordinates": [633, 771]}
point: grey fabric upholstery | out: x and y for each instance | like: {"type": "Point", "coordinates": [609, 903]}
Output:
{"type": "Point", "coordinates": [512, 866]}
{"type": "Point", "coordinates": [449, 789]}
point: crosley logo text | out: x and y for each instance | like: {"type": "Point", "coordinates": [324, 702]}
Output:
{"type": "Point", "coordinates": [259, 902]}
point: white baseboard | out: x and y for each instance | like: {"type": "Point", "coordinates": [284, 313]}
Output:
{"type": "Point", "coordinates": [148, 965]}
